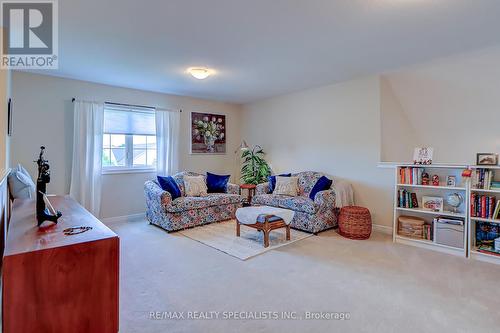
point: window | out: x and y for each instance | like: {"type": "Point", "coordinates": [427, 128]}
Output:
{"type": "Point", "coordinates": [129, 139]}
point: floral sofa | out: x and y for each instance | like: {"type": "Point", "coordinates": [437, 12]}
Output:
{"type": "Point", "coordinates": [185, 212]}
{"type": "Point", "coordinates": [311, 216]}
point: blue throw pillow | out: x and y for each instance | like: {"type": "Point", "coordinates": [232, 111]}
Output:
{"type": "Point", "coordinates": [322, 184]}
{"type": "Point", "coordinates": [272, 181]}
{"type": "Point", "coordinates": [217, 183]}
{"type": "Point", "coordinates": [168, 184]}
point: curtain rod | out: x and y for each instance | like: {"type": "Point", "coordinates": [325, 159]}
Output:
{"type": "Point", "coordinates": [132, 105]}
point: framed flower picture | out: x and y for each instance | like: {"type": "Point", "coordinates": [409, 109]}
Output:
{"type": "Point", "coordinates": [208, 133]}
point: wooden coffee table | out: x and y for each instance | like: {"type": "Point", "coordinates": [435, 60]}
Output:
{"type": "Point", "coordinates": [266, 223]}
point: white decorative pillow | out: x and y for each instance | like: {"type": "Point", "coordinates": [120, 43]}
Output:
{"type": "Point", "coordinates": [195, 186]}
{"type": "Point", "coordinates": [286, 186]}
{"type": "Point", "coordinates": [20, 183]}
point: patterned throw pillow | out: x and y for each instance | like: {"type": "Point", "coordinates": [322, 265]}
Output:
{"type": "Point", "coordinates": [286, 186]}
{"type": "Point", "coordinates": [195, 186]}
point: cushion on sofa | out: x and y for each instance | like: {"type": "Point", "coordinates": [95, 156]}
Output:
{"type": "Point", "coordinates": [168, 184]}
{"type": "Point", "coordinates": [195, 186]}
{"type": "Point", "coordinates": [186, 203]}
{"type": "Point", "coordinates": [322, 184]}
{"type": "Point", "coordinates": [286, 186]}
{"type": "Point", "coordinates": [217, 183]}
{"type": "Point", "coordinates": [179, 179]}
{"type": "Point", "coordinates": [272, 180]}
{"type": "Point", "coordinates": [307, 180]}
{"type": "Point", "coordinates": [21, 185]}
{"type": "Point", "coordinates": [298, 204]}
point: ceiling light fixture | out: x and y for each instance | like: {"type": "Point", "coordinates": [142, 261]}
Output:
{"type": "Point", "coordinates": [199, 73]}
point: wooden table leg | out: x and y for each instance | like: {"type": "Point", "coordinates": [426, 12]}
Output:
{"type": "Point", "coordinates": [237, 228]}
{"type": "Point", "coordinates": [266, 238]}
{"type": "Point", "coordinates": [266, 229]}
{"type": "Point", "coordinates": [288, 232]}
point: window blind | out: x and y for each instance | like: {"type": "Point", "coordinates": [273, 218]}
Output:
{"type": "Point", "coordinates": [130, 121]}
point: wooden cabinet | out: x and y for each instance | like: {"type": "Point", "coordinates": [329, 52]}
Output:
{"type": "Point", "coordinates": [59, 283]}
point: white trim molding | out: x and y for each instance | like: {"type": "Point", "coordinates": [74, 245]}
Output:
{"type": "Point", "coordinates": [124, 218]}
{"type": "Point", "coordinates": [382, 228]}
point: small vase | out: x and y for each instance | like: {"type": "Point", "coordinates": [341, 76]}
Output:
{"type": "Point", "coordinates": [210, 143]}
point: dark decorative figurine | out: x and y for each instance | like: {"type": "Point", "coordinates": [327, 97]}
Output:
{"type": "Point", "coordinates": [425, 178]}
{"type": "Point", "coordinates": [42, 213]}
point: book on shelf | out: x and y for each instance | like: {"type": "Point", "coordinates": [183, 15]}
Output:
{"type": "Point", "coordinates": [488, 250]}
{"type": "Point", "coordinates": [484, 206]}
{"type": "Point", "coordinates": [495, 185]}
{"type": "Point", "coordinates": [410, 175]}
{"type": "Point", "coordinates": [483, 179]}
{"type": "Point", "coordinates": [428, 232]}
{"type": "Point", "coordinates": [407, 199]}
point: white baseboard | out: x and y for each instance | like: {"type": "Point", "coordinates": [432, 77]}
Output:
{"type": "Point", "coordinates": [124, 218]}
{"type": "Point", "coordinates": [382, 228]}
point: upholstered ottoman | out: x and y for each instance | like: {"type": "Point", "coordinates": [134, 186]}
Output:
{"type": "Point", "coordinates": [355, 222]}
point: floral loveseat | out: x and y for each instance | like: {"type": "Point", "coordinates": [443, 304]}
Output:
{"type": "Point", "coordinates": [185, 212]}
{"type": "Point", "coordinates": [311, 216]}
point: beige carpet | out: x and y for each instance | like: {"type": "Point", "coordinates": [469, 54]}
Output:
{"type": "Point", "coordinates": [385, 287]}
{"type": "Point", "coordinates": [222, 236]}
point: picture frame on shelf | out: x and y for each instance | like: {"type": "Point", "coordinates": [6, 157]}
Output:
{"type": "Point", "coordinates": [487, 159]}
{"type": "Point", "coordinates": [423, 155]}
{"type": "Point", "coordinates": [451, 181]}
{"type": "Point", "coordinates": [434, 204]}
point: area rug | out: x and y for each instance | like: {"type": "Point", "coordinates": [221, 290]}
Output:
{"type": "Point", "coordinates": [222, 236]}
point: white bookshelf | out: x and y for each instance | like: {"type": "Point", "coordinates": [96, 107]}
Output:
{"type": "Point", "coordinates": [441, 190]}
{"type": "Point", "coordinates": [430, 212]}
{"type": "Point", "coordinates": [464, 187]}
{"type": "Point", "coordinates": [473, 251]}
{"type": "Point", "coordinates": [440, 187]}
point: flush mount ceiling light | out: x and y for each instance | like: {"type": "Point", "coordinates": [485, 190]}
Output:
{"type": "Point", "coordinates": [199, 73]}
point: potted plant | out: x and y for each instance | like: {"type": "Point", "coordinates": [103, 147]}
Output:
{"type": "Point", "coordinates": [255, 169]}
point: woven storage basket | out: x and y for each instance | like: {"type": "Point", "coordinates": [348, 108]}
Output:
{"type": "Point", "coordinates": [355, 222]}
{"type": "Point", "coordinates": [411, 226]}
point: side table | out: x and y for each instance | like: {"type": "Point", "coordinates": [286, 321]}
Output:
{"type": "Point", "coordinates": [251, 191]}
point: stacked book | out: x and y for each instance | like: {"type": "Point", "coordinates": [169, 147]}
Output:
{"type": "Point", "coordinates": [410, 176]}
{"type": "Point", "coordinates": [483, 179]}
{"type": "Point", "coordinates": [484, 206]}
{"type": "Point", "coordinates": [407, 199]}
{"type": "Point", "coordinates": [428, 232]}
{"type": "Point", "coordinates": [494, 185]}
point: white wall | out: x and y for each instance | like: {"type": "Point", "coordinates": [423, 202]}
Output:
{"type": "Point", "coordinates": [43, 115]}
{"type": "Point", "coordinates": [333, 129]}
{"type": "Point", "coordinates": [398, 136]}
{"type": "Point", "coordinates": [453, 104]}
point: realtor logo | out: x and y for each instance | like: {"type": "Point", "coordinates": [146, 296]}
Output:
{"type": "Point", "coordinates": [30, 35]}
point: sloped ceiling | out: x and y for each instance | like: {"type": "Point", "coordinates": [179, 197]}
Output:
{"type": "Point", "coordinates": [453, 103]}
{"type": "Point", "coordinates": [261, 48]}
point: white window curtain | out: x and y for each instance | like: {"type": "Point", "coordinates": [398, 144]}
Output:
{"type": "Point", "coordinates": [167, 141]}
{"type": "Point", "coordinates": [87, 154]}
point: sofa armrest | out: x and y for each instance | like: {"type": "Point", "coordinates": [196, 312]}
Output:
{"type": "Point", "coordinates": [326, 199]}
{"type": "Point", "coordinates": [233, 189]}
{"type": "Point", "coordinates": [156, 195]}
{"type": "Point", "coordinates": [262, 188]}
